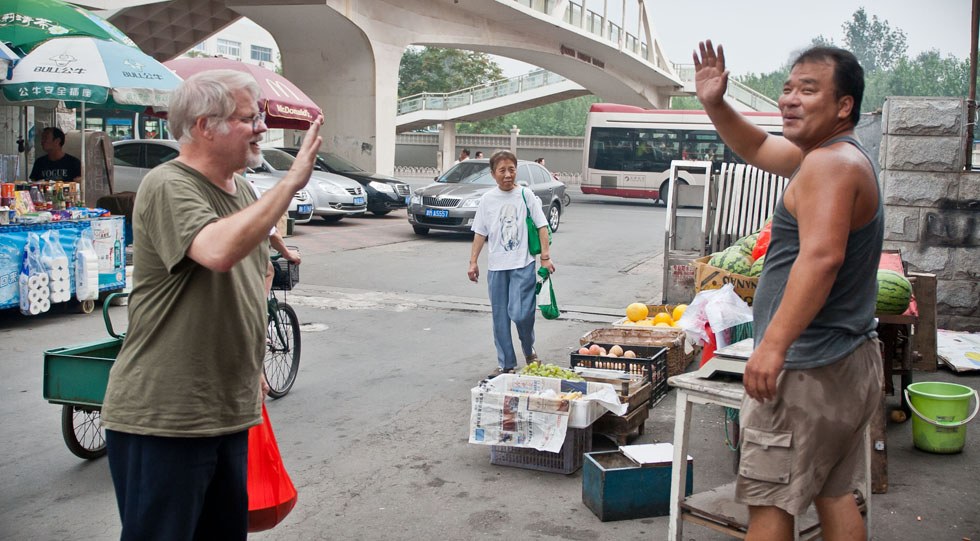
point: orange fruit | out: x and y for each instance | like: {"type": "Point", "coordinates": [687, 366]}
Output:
{"type": "Point", "coordinates": [637, 311]}
{"type": "Point", "coordinates": [679, 311]}
{"type": "Point", "coordinates": [662, 324]}
{"type": "Point", "coordinates": [645, 323]}
{"type": "Point", "coordinates": [663, 317]}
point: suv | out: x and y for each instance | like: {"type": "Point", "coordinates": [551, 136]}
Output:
{"type": "Point", "coordinates": [452, 201]}
{"type": "Point", "coordinates": [385, 194]}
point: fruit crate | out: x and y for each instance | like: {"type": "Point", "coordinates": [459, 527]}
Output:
{"type": "Point", "coordinates": [629, 336]}
{"type": "Point", "coordinates": [650, 362]}
{"type": "Point", "coordinates": [578, 441]}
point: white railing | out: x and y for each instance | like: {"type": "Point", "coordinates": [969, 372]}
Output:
{"type": "Point", "coordinates": [736, 90]}
{"type": "Point", "coordinates": [476, 94]}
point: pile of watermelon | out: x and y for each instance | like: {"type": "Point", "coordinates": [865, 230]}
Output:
{"type": "Point", "coordinates": [738, 259]}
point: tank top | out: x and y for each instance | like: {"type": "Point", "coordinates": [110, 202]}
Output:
{"type": "Point", "coordinates": [847, 318]}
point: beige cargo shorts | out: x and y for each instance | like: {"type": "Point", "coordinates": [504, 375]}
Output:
{"type": "Point", "coordinates": [809, 441]}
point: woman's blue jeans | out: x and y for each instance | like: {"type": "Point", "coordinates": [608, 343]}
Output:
{"type": "Point", "coordinates": [512, 298]}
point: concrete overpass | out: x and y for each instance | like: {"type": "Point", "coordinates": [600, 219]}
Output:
{"type": "Point", "coordinates": [345, 53]}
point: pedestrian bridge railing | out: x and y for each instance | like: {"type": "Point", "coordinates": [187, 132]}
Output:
{"type": "Point", "coordinates": [428, 101]}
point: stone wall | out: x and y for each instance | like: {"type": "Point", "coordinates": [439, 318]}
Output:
{"type": "Point", "coordinates": [932, 206]}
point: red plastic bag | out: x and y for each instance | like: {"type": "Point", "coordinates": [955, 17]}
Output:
{"type": "Point", "coordinates": [762, 244]}
{"type": "Point", "coordinates": [271, 494]}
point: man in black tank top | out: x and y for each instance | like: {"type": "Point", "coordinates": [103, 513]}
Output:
{"type": "Point", "coordinates": [814, 379]}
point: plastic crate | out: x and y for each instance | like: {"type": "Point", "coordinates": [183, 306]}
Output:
{"type": "Point", "coordinates": [286, 275]}
{"type": "Point", "coordinates": [650, 362]}
{"type": "Point", "coordinates": [79, 374]}
{"type": "Point", "coordinates": [578, 441]}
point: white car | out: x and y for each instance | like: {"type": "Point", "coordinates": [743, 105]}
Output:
{"type": "Point", "coordinates": [334, 196]}
{"type": "Point", "coordinates": [133, 159]}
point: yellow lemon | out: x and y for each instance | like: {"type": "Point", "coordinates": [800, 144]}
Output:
{"type": "Point", "coordinates": [636, 311]}
{"type": "Point", "coordinates": [663, 317]}
{"type": "Point", "coordinates": [679, 311]}
{"type": "Point", "coordinates": [645, 323]}
{"type": "Point", "coordinates": [662, 324]}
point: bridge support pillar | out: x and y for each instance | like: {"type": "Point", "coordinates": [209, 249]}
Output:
{"type": "Point", "coordinates": [446, 154]}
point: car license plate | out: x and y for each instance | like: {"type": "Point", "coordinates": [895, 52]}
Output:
{"type": "Point", "coordinates": [358, 200]}
{"type": "Point", "coordinates": [436, 213]}
{"type": "Point", "coordinates": [304, 209]}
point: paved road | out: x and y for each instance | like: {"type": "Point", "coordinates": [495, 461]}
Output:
{"type": "Point", "coordinates": [374, 432]}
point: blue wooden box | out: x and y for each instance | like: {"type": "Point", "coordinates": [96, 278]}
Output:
{"type": "Point", "coordinates": [616, 488]}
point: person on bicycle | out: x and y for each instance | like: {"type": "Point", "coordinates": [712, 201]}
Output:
{"type": "Point", "coordinates": [184, 389]}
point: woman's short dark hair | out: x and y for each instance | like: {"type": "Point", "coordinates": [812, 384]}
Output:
{"type": "Point", "coordinates": [501, 155]}
{"type": "Point", "coordinates": [848, 74]}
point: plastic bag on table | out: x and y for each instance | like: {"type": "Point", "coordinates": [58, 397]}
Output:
{"type": "Point", "coordinates": [719, 308]}
{"type": "Point", "coordinates": [271, 494]}
{"type": "Point", "coordinates": [56, 263]}
{"type": "Point", "coordinates": [34, 294]}
{"type": "Point", "coordinates": [86, 267]}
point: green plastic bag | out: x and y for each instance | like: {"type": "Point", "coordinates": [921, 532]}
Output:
{"type": "Point", "coordinates": [533, 239]}
{"type": "Point", "coordinates": [549, 308]}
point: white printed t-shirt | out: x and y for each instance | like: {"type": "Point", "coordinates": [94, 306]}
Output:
{"type": "Point", "coordinates": [500, 218]}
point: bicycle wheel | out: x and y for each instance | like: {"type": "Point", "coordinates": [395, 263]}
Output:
{"type": "Point", "coordinates": [282, 352]}
{"type": "Point", "coordinates": [83, 432]}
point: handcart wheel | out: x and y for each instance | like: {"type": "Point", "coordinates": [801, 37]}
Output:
{"type": "Point", "coordinates": [87, 307]}
{"type": "Point", "coordinates": [83, 432]}
{"type": "Point", "coordinates": [281, 362]}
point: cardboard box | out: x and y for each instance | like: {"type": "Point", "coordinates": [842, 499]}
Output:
{"type": "Point", "coordinates": [708, 277]}
{"type": "Point", "coordinates": [615, 487]}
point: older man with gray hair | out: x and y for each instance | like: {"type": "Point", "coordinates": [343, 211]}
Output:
{"type": "Point", "coordinates": [185, 387]}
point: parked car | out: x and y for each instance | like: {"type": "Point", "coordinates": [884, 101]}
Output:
{"type": "Point", "coordinates": [334, 196]}
{"type": "Point", "coordinates": [133, 159]}
{"type": "Point", "coordinates": [451, 203]}
{"type": "Point", "coordinates": [384, 193]}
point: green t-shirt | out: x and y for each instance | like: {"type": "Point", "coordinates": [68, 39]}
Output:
{"type": "Point", "coordinates": [191, 360]}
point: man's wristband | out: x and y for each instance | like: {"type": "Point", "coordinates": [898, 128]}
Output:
{"type": "Point", "coordinates": [545, 258]}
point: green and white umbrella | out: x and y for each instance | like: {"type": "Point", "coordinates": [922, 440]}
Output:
{"type": "Point", "coordinates": [91, 71]}
{"type": "Point", "coordinates": [86, 71]}
{"type": "Point", "coordinates": [25, 24]}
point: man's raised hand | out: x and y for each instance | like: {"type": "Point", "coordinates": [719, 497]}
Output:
{"type": "Point", "coordinates": [710, 75]}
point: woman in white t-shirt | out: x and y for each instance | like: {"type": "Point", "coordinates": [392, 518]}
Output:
{"type": "Point", "coordinates": [500, 224]}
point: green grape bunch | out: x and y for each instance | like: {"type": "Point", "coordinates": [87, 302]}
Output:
{"type": "Point", "coordinates": [550, 371]}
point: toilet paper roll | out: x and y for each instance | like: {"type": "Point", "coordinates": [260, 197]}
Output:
{"type": "Point", "coordinates": [35, 308]}
{"type": "Point", "coordinates": [33, 281]}
{"type": "Point", "coordinates": [33, 295]}
{"type": "Point", "coordinates": [58, 274]}
{"type": "Point", "coordinates": [42, 278]}
{"type": "Point", "coordinates": [43, 293]}
{"type": "Point", "coordinates": [45, 305]}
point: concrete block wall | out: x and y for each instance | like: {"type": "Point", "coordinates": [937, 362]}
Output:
{"type": "Point", "coordinates": [932, 206]}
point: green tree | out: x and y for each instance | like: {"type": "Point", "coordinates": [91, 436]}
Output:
{"type": "Point", "coordinates": [431, 69]}
{"type": "Point", "coordinates": [875, 44]}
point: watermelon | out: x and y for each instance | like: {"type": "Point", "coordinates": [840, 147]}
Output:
{"type": "Point", "coordinates": [756, 269]}
{"type": "Point", "coordinates": [733, 260]}
{"type": "Point", "coordinates": [894, 292]}
{"type": "Point", "coordinates": [747, 243]}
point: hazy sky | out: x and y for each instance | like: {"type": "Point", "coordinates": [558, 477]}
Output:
{"type": "Point", "coordinates": [760, 35]}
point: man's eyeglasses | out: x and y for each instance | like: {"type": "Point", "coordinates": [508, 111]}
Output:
{"type": "Point", "coordinates": [255, 120]}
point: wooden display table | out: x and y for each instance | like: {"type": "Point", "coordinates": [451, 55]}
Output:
{"type": "Point", "coordinates": [716, 509]}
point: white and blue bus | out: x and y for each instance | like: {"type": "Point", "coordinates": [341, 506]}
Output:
{"type": "Point", "coordinates": [628, 149]}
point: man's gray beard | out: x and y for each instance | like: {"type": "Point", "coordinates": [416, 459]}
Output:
{"type": "Point", "coordinates": [254, 160]}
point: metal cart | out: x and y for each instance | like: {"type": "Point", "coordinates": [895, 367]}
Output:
{"type": "Point", "coordinates": [76, 378]}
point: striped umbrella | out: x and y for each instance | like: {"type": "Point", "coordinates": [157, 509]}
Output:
{"type": "Point", "coordinates": [91, 71]}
